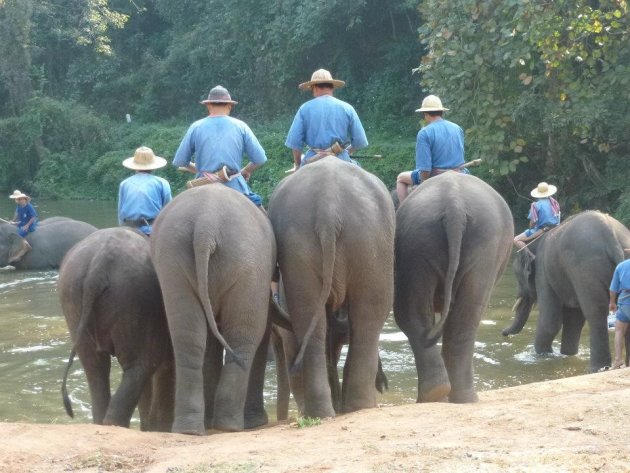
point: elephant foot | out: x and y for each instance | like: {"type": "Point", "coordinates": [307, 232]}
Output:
{"type": "Point", "coordinates": [322, 413]}
{"type": "Point", "coordinates": [228, 423]}
{"type": "Point", "coordinates": [437, 393]}
{"type": "Point", "coordinates": [256, 420]}
{"type": "Point", "coordinates": [188, 429]}
{"type": "Point", "coordinates": [462, 397]}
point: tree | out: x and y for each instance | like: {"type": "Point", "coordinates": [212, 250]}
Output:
{"type": "Point", "coordinates": [15, 60]}
{"type": "Point", "coordinates": [539, 86]}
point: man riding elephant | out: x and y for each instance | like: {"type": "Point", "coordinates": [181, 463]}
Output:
{"type": "Point", "coordinates": [218, 143]}
{"type": "Point", "coordinates": [324, 124]}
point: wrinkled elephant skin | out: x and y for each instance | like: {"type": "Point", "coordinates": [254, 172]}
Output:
{"type": "Point", "coordinates": [111, 299]}
{"type": "Point", "coordinates": [569, 280]}
{"type": "Point", "coordinates": [334, 226]}
{"type": "Point", "coordinates": [50, 242]}
{"type": "Point", "coordinates": [453, 241]}
{"type": "Point", "coordinates": [214, 253]}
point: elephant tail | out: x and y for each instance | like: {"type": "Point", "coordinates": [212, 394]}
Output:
{"type": "Point", "coordinates": [64, 390]}
{"type": "Point", "coordinates": [454, 224]}
{"type": "Point", "coordinates": [202, 260]}
{"type": "Point", "coordinates": [328, 241]}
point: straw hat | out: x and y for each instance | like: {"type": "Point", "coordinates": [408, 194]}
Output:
{"type": "Point", "coordinates": [144, 160]}
{"type": "Point", "coordinates": [18, 195]}
{"type": "Point", "coordinates": [544, 190]}
{"type": "Point", "coordinates": [218, 94]}
{"type": "Point", "coordinates": [431, 103]}
{"type": "Point", "coordinates": [321, 76]}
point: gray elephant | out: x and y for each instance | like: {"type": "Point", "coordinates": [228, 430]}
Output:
{"type": "Point", "coordinates": [453, 241]}
{"type": "Point", "coordinates": [50, 242]}
{"type": "Point", "coordinates": [215, 254]}
{"type": "Point", "coordinates": [111, 299]}
{"type": "Point", "coordinates": [334, 226]}
{"type": "Point", "coordinates": [569, 280]}
{"type": "Point", "coordinates": [285, 349]}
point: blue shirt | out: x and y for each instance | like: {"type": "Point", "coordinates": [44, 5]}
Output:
{"type": "Point", "coordinates": [142, 196]}
{"type": "Point", "coordinates": [621, 282]}
{"type": "Point", "coordinates": [440, 145]}
{"type": "Point", "coordinates": [220, 141]}
{"type": "Point", "coordinates": [546, 216]}
{"type": "Point", "coordinates": [323, 120]}
{"type": "Point", "coordinates": [24, 214]}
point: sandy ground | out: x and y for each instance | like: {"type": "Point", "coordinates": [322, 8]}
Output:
{"type": "Point", "coordinates": [577, 424]}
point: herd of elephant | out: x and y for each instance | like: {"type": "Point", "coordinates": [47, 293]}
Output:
{"type": "Point", "coordinates": [188, 312]}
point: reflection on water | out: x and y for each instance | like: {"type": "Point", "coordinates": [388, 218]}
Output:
{"type": "Point", "coordinates": [34, 343]}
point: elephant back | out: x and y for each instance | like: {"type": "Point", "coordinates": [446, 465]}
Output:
{"type": "Point", "coordinates": [52, 240]}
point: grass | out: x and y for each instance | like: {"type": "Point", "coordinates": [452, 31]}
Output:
{"type": "Point", "coordinates": [303, 422]}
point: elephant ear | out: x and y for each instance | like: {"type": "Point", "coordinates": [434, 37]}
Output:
{"type": "Point", "coordinates": [16, 248]}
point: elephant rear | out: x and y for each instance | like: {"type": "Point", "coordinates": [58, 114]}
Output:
{"type": "Point", "coordinates": [111, 299]}
{"type": "Point", "coordinates": [453, 241]}
{"type": "Point", "coordinates": [334, 226]}
{"type": "Point", "coordinates": [214, 253]}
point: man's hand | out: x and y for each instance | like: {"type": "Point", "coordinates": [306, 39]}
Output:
{"type": "Point", "coordinates": [246, 172]}
{"type": "Point", "coordinates": [292, 170]}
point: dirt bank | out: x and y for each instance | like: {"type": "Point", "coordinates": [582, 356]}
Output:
{"type": "Point", "coordinates": [575, 424]}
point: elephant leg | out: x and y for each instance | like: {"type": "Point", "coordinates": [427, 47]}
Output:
{"type": "Point", "coordinates": [243, 325]}
{"type": "Point", "coordinates": [458, 341]}
{"type": "Point", "coordinates": [366, 318]}
{"type": "Point", "coordinates": [413, 319]}
{"type": "Point", "coordinates": [212, 366]}
{"type": "Point", "coordinates": [188, 328]}
{"type": "Point", "coordinates": [599, 342]}
{"type": "Point", "coordinates": [126, 397]}
{"type": "Point", "coordinates": [255, 414]}
{"type": "Point", "coordinates": [97, 366]}
{"type": "Point", "coordinates": [595, 310]}
{"type": "Point", "coordinates": [282, 374]}
{"type": "Point", "coordinates": [549, 320]}
{"type": "Point", "coordinates": [572, 324]}
{"type": "Point", "coordinates": [144, 408]}
{"type": "Point", "coordinates": [162, 398]}
{"type": "Point", "coordinates": [335, 339]}
{"type": "Point", "coordinates": [302, 293]}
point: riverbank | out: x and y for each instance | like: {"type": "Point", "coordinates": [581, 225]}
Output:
{"type": "Point", "coordinates": [577, 424]}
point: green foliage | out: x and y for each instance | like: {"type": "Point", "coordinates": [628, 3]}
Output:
{"type": "Point", "coordinates": [50, 146]}
{"type": "Point", "coordinates": [540, 87]}
{"type": "Point", "coordinates": [303, 422]}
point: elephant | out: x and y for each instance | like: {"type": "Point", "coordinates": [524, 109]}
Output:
{"type": "Point", "coordinates": [453, 241]}
{"type": "Point", "coordinates": [50, 242]}
{"type": "Point", "coordinates": [334, 225]}
{"type": "Point", "coordinates": [113, 306]}
{"type": "Point", "coordinates": [569, 280]}
{"type": "Point", "coordinates": [284, 346]}
{"type": "Point", "coordinates": [214, 252]}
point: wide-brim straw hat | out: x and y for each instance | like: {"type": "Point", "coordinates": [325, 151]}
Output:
{"type": "Point", "coordinates": [219, 94]}
{"type": "Point", "coordinates": [321, 76]}
{"type": "Point", "coordinates": [543, 190]}
{"type": "Point", "coordinates": [18, 195]}
{"type": "Point", "coordinates": [144, 160]}
{"type": "Point", "coordinates": [431, 103]}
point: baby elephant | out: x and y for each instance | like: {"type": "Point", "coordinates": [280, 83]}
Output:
{"type": "Point", "coordinates": [113, 306]}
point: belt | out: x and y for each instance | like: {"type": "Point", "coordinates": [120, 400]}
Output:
{"type": "Point", "coordinates": [436, 171]}
{"type": "Point", "coordinates": [141, 222]}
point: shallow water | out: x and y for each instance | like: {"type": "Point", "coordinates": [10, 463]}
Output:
{"type": "Point", "coordinates": [34, 343]}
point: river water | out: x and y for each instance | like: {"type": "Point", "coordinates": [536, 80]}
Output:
{"type": "Point", "coordinates": [35, 344]}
